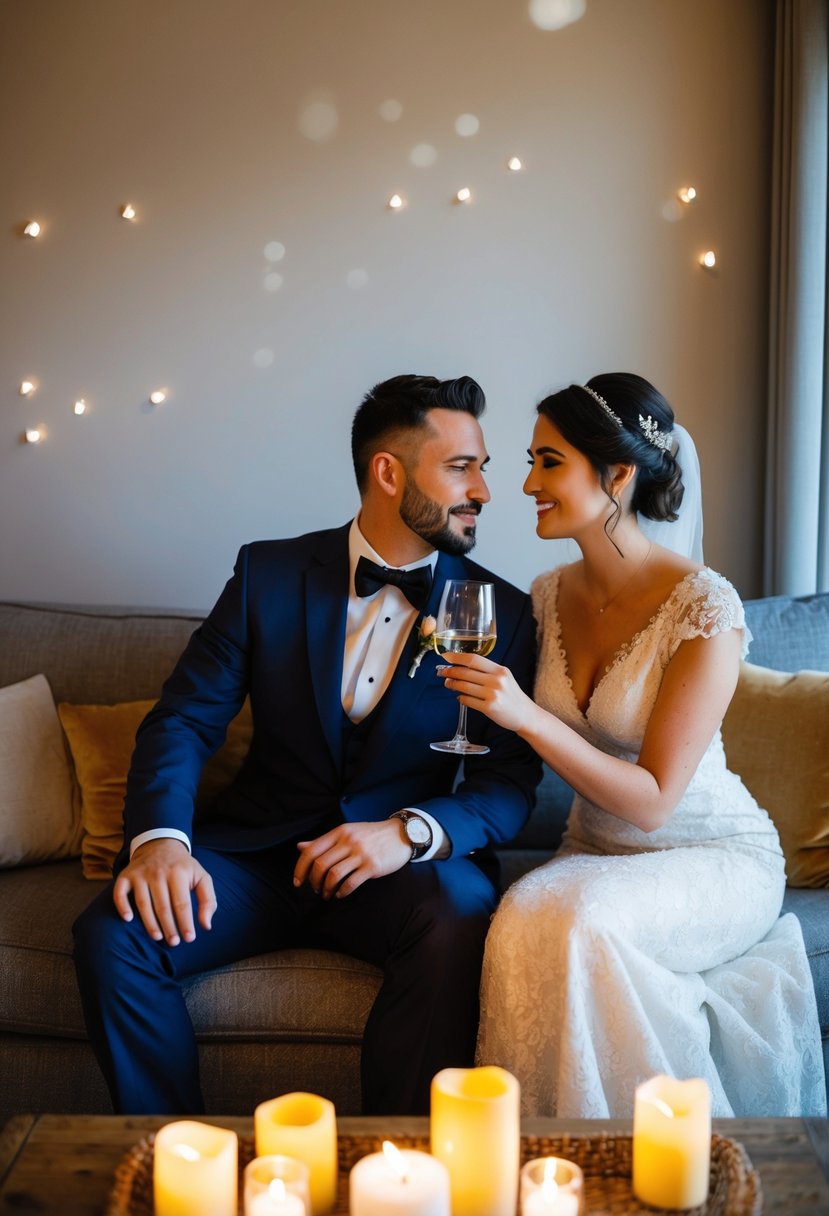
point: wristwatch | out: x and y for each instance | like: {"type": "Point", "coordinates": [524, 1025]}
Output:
{"type": "Point", "coordinates": [417, 830]}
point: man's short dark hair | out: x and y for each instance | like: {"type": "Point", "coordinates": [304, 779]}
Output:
{"type": "Point", "coordinates": [402, 404]}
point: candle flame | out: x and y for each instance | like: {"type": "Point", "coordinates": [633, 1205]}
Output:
{"type": "Point", "coordinates": [186, 1151]}
{"type": "Point", "coordinates": [549, 1187]}
{"type": "Point", "coordinates": [396, 1160]}
{"type": "Point", "coordinates": [662, 1107]}
{"type": "Point", "coordinates": [277, 1190]}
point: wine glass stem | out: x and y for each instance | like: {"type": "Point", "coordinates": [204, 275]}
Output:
{"type": "Point", "coordinates": [460, 732]}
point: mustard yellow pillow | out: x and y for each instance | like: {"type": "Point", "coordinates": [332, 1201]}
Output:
{"type": "Point", "coordinates": [776, 736]}
{"type": "Point", "coordinates": [101, 739]}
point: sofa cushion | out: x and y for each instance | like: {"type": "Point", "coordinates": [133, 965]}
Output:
{"type": "Point", "coordinates": [790, 633]}
{"type": "Point", "coordinates": [284, 996]}
{"type": "Point", "coordinates": [810, 909]}
{"type": "Point", "coordinates": [39, 813]}
{"type": "Point", "coordinates": [102, 738]}
{"type": "Point", "coordinates": [92, 655]}
{"type": "Point", "coordinates": [776, 736]}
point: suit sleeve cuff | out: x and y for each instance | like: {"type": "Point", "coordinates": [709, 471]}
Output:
{"type": "Point", "coordinates": [164, 834]}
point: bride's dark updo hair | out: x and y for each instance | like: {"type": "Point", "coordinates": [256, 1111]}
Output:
{"type": "Point", "coordinates": [596, 433]}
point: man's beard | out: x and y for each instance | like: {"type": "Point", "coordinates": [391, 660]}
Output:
{"type": "Point", "coordinates": [431, 522]}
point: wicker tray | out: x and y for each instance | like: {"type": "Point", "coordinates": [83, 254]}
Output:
{"type": "Point", "coordinates": [605, 1159]}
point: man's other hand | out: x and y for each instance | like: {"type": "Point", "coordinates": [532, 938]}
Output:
{"type": "Point", "coordinates": [339, 862]}
{"type": "Point", "coordinates": [160, 877]}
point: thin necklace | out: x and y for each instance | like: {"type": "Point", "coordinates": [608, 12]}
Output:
{"type": "Point", "coordinates": [627, 582]}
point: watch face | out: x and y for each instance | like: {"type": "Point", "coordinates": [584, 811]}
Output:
{"type": "Point", "coordinates": [418, 831]}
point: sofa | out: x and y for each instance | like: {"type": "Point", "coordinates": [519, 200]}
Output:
{"type": "Point", "coordinates": [293, 1019]}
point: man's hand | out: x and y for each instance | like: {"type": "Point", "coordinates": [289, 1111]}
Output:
{"type": "Point", "coordinates": [337, 863]}
{"type": "Point", "coordinates": [160, 876]}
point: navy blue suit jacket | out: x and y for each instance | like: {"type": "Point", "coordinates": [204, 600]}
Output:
{"type": "Point", "coordinates": [277, 632]}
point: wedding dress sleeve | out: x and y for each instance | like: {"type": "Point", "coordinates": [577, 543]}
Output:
{"type": "Point", "coordinates": [707, 604]}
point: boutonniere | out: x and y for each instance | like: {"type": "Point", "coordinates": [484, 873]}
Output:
{"type": "Point", "coordinates": [425, 641]}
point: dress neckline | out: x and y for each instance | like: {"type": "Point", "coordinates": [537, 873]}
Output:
{"type": "Point", "coordinates": [623, 651]}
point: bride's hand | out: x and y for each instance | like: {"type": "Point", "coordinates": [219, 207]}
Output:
{"type": "Point", "coordinates": [489, 688]}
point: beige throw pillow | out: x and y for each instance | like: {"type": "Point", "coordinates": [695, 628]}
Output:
{"type": "Point", "coordinates": [776, 736]}
{"type": "Point", "coordinates": [39, 807]}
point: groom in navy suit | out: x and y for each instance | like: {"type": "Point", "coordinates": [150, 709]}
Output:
{"type": "Point", "coordinates": [343, 829]}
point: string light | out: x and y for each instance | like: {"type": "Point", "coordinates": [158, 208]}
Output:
{"type": "Point", "coordinates": [32, 228]}
{"type": "Point", "coordinates": [80, 407]}
{"type": "Point", "coordinates": [128, 212]}
{"type": "Point", "coordinates": [396, 202]}
{"type": "Point", "coordinates": [158, 396]}
{"type": "Point", "coordinates": [515, 164]}
{"type": "Point", "coordinates": [708, 260]}
{"type": "Point", "coordinates": [556, 14]}
{"type": "Point", "coordinates": [687, 194]}
{"type": "Point", "coordinates": [27, 387]}
{"type": "Point", "coordinates": [464, 195]}
{"type": "Point", "coordinates": [467, 124]}
{"type": "Point", "coordinates": [34, 434]}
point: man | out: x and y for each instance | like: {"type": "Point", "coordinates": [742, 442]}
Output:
{"type": "Point", "coordinates": [343, 829]}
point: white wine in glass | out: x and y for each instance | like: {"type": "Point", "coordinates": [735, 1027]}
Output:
{"type": "Point", "coordinates": [465, 625]}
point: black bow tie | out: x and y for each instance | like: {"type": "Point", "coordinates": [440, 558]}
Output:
{"type": "Point", "coordinates": [415, 584]}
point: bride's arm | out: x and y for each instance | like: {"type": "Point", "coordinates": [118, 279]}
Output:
{"type": "Point", "coordinates": [695, 692]}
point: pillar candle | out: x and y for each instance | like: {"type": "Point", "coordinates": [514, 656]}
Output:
{"type": "Point", "coordinates": [399, 1183]}
{"type": "Point", "coordinates": [195, 1170]}
{"type": "Point", "coordinates": [303, 1126]}
{"type": "Point", "coordinates": [672, 1142]}
{"type": "Point", "coordinates": [551, 1186]}
{"type": "Point", "coordinates": [476, 1133]}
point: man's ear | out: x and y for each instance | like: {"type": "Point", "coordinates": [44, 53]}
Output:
{"type": "Point", "coordinates": [387, 473]}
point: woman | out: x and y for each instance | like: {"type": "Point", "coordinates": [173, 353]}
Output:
{"type": "Point", "coordinates": [651, 943]}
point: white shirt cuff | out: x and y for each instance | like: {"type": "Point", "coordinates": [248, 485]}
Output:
{"type": "Point", "coordinates": [161, 834]}
{"type": "Point", "coordinates": [440, 846]}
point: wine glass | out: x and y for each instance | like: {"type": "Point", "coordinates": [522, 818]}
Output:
{"type": "Point", "coordinates": [465, 625]}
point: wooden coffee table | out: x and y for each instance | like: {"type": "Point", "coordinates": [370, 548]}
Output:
{"type": "Point", "coordinates": [65, 1163]}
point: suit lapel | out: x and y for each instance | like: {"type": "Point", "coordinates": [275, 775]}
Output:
{"type": "Point", "coordinates": [403, 694]}
{"type": "Point", "coordinates": [326, 605]}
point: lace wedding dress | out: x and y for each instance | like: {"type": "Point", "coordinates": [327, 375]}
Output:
{"type": "Point", "coordinates": [631, 953]}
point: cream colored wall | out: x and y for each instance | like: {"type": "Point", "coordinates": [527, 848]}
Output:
{"type": "Point", "coordinates": [190, 109]}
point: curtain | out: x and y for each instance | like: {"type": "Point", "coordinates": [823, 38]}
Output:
{"type": "Point", "coordinates": [796, 557]}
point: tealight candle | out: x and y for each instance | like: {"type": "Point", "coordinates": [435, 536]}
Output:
{"type": "Point", "coordinates": [475, 1132]}
{"type": "Point", "coordinates": [399, 1183]}
{"type": "Point", "coordinates": [303, 1126]}
{"type": "Point", "coordinates": [195, 1170]}
{"type": "Point", "coordinates": [277, 1186]}
{"type": "Point", "coordinates": [275, 1200]}
{"type": "Point", "coordinates": [672, 1142]}
{"type": "Point", "coordinates": [551, 1186]}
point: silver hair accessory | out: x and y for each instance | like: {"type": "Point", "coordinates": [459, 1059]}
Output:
{"type": "Point", "coordinates": [603, 404]}
{"type": "Point", "coordinates": [659, 439]}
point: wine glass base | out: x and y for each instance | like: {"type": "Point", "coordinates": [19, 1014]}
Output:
{"type": "Point", "coordinates": [461, 747]}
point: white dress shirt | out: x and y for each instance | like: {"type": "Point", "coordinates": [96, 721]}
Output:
{"type": "Point", "coordinates": [376, 631]}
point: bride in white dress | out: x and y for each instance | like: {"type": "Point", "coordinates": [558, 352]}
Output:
{"type": "Point", "coordinates": [652, 942]}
